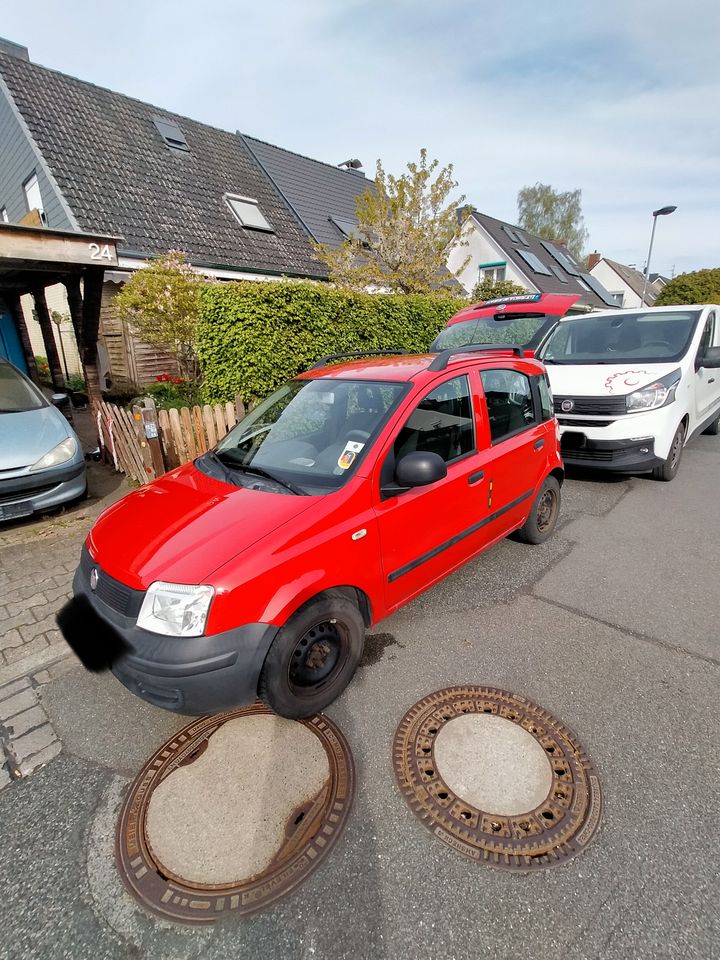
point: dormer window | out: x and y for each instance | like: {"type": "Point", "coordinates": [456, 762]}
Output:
{"type": "Point", "coordinates": [171, 134]}
{"type": "Point", "coordinates": [247, 212]}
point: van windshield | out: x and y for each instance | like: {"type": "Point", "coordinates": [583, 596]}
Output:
{"type": "Point", "coordinates": [652, 337]}
{"type": "Point", "coordinates": [311, 434]}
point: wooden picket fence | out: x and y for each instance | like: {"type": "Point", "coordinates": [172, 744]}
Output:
{"type": "Point", "coordinates": [144, 442]}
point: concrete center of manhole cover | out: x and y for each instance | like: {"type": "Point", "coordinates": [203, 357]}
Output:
{"type": "Point", "coordinates": [493, 764]}
{"type": "Point", "coordinates": [223, 818]}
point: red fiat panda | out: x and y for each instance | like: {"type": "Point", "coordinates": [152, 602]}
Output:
{"type": "Point", "coordinates": [254, 570]}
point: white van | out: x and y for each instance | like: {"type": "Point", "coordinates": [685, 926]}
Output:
{"type": "Point", "coordinates": [631, 387]}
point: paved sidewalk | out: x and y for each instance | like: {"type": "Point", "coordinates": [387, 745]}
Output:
{"type": "Point", "coordinates": [38, 558]}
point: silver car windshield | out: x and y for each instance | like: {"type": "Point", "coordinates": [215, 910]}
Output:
{"type": "Point", "coordinates": [649, 337]}
{"type": "Point", "coordinates": [17, 393]}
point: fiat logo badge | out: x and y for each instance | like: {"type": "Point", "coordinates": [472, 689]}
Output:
{"type": "Point", "coordinates": [567, 405]}
{"type": "Point", "coordinates": [93, 578]}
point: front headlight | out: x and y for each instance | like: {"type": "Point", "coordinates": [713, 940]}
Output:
{"type": "Point", "coordinates": [58, 455]}
{"type": "Point", "coordinates": [176, 609]}
{"type": "Point", "coordinates": [654, 395]}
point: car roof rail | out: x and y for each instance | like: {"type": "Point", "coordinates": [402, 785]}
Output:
{"type": "Point", "coordinates": [441, 360]}
{"type": "Point", "coordinates": [324, 361]}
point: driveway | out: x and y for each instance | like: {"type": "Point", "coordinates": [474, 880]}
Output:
{"type": "Point", "coordinates": [612, 626]}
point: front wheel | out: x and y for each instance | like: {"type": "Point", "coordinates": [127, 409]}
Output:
{"type": "Point", "coordinates": [668, 468]}
{"type": "Point", "coordinates": [313, 658]}
{"type": "Point", "coordinates": [543, 515]}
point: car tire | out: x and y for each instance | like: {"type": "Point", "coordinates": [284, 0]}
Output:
{"type": "Point", "coordinates": [542, 519]}
{"type": "Point", "coordinates": [714, 429]}
{"type": "Point", "coordinates": [667, 470]}
{"type": "Point", "coordinates": [313, 657]}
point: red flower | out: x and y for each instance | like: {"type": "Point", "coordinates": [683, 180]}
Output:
{"type": "Point", "coordinates": [178, 380]}
{"type": "Point", "coordinates": [159, 378]}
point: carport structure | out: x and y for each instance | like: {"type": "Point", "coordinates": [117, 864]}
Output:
{"type": "Point", "coordinates": [33, 258]}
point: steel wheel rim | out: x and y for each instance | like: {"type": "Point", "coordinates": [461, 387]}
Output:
{"type": "Point", "coordinates": [545, 513]}
{"type": "Point", "coordinates": [317, 657]}
{"type": "Point", "coordinates": [675, 454]}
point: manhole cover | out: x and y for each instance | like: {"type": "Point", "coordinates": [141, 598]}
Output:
{"type": "Point", "coordinates": [233, 813]}
{"type": "Point", "coordinates": [497, 778]}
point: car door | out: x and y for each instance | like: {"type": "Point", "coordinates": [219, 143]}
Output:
{"type": "Point", "coordinates": [521, 427]}
{"type": "Point", "coordinates": [707, 381]}
{"type": "Point", "coordinates": [424, 531]}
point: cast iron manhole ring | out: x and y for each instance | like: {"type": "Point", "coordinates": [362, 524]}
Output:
{"type": "Point", "coordinates": [311, 830]}
{"type": "Point", "coordinates": [562, 815]}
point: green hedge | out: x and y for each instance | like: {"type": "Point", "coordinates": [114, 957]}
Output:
{"type": "Point", "coordinates": [253, 336]}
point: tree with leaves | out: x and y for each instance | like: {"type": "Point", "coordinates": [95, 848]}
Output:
{"type": "Point", "coordinates": [405, 225]}
{"type": "Point", "coordinates": [161, 303]}
{"type": "Point", "coordinates": [554, 215]}
{"type": "Point", "coordinates": [489, 289]}
{"type": "Point", "coordinates": [700, 286]}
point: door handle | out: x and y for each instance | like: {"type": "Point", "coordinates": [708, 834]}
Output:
{"type": "Point", "coordinates": [539, 444]}
{"type": "Point", "coordinates": [711, 380]}
{"type": "Point", "coordinates": [476, 477]}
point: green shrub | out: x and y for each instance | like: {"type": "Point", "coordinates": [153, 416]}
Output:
{"type": "Point", "coordinates": [699, 286]}
{"type": "Point", "coordinates": [172, 392]}
{"type": "Point", "coordinates": [254, 336]}
{"type": "Point", "coordinates": [43, 369]}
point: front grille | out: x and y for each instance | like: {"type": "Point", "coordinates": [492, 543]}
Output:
{"type": "Point", "coordinates": [26, 493]}
{"type": "Point", "coordinates": [579, 422]}
{"type": "Point", "coordinates": [123, 599]}
{"type": "Point", "coordinates": [589, 454]}
{"type": "Point", "coordinates": [597, 406]}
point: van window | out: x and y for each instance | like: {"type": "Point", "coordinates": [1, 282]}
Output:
{"type": "Point", "coordinates": [652, 337]}
{"type": "Point", "coordinates": [509, 402]}
{"type": "Point", "coordinates": [708, 337]}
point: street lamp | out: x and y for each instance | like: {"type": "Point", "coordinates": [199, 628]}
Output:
{"type": "Point", "coordinates": [662, 212]}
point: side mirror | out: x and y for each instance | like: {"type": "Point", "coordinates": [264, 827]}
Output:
{"type": "Point", "coordinates": [711, 360]}
{"type": "Point", "coordinates": [420, 469]}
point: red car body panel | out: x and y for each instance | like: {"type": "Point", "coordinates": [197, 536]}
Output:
{"type": "Point", "coordinates": [266, 554]}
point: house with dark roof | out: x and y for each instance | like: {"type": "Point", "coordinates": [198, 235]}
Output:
{"type": "Point", "coordinates": [77, 157]}
{"type": "Point", "coordinates": [626, 283]}
{"type": "Point", "coordinates": [498, 250]}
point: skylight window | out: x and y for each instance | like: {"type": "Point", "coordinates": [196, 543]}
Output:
{"type": "Point", "coordinates": [4, 215]}
{"type": "Point", "coordinates": [534, 262]}
{"type": "Point", "coordinates": [247, 212]}
{"type": "Point", "coordinates": [559, 273]}
{"type": "Point", "coordinates": [515, 235]}
{"type": "Point", "coordinates": [348, 228]}
{"type": "Point", "coordinates": [558, 255]}
{"type": "Point", "coordinates": [171, 134]}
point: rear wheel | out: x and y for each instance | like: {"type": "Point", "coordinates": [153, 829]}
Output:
{"type": "Point", "coordinates": [313, 657]}
{"type": "Point", "coordinates": [543, 515]}
{"type": "Point", "coordinates": [666, 471]}
{"type": "Point", "coordinates": [714, 428]}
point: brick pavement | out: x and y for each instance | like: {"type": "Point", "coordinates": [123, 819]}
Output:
{"type": "Point", "coordinates": [38, 558]}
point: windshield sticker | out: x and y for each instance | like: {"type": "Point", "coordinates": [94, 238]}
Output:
{"type": "Point", "coordinates": [628, 378]}
{"type": "Point", "coordinates": [347, 457]}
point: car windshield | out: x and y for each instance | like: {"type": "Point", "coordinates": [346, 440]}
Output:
{"type": "Point", "coordinates": [17, 393]}
{"type": "Point", "coordinates": [516, 329]}
{"type": "Point", "coordinates": [311, 434]}
{"type": "Point", "coordinates": [652, 337]}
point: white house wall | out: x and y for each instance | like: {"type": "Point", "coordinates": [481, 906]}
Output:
{"type": "Point", "coordinates": [56, 300]}
{"type": "Point", "coordinates": [481, 249]}
{"type": "Point", "coordinates": [614, 283]}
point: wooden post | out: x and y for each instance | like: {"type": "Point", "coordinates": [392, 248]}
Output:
{"type": "Point", "coordinates": [74, 299]}
{"type": "Point", "coordinates": [16, 312]}
{"type": "Point", "coordinates": [46, 328]}
{"type": "Point", "coordinates": [150, 419]}
{"type": "Point", "coordinates": [92, 298]}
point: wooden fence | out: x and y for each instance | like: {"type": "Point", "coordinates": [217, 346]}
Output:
{"type": "Point", "coordinates": [145, 442]}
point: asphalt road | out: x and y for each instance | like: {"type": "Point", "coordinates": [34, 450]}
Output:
{"type": "Point", "coordinates": [612, 625]}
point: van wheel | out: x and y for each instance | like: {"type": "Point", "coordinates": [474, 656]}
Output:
{"type": "Point", "coordinates": [543, 515]}
{"type": "Point", "coordinates": [666, 471]}
{"type": "Point", "coordinates": [313, 658]}
{"type": "Point", "coordinates": [714, 429]}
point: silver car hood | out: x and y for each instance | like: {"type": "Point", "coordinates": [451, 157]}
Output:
{"type": "Point", "coordinates": [29, 435]}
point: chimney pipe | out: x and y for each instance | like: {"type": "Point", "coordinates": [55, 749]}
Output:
{"type": "Point", "coordinates": [593, 259]}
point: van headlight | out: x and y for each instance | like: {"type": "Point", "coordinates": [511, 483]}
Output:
{"type": "Point", "coordinates": [176, 609]}
{"type": "Point", "coordinates": [57, 456]}
{"type": "Point", "coordinates": [654, 395]}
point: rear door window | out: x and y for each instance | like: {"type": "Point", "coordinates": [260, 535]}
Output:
{"type": "Point", "coordinates": [510, 402]}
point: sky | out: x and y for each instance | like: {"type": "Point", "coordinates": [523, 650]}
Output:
{"type": "Point", "coordinates": [620, 99]}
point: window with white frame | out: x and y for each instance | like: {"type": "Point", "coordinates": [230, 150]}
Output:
{"type": "Point", "coordinates": [33, 198]}
{"type": "Point", "coordinates": [247, 212]}
{"type": "Point", "coordinates": [618, 296]}
{"type": "Point", "coordinates": [492, 271]}
{"type": "Point", "coordinates": [4, 215]}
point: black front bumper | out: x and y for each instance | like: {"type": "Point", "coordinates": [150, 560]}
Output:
{"type": "Point", "coordinates": [192, 675]}
{"type": "Point", "coordinates": [619, 456]}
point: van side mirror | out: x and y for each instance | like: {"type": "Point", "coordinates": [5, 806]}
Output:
{"type": "Point", "coordinates": [420, 469]}
{"type": "Point", "coordinates": [711, 360]}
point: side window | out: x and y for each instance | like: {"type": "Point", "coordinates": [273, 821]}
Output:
{"type": "Point", "coordinates": [708, 337]}
{"type": "Point", "coordinates": [546, 402]}
{"type": "Point", "coordinates": [441, 423]}
{"type": "Point", "coordinates": [509, 399]}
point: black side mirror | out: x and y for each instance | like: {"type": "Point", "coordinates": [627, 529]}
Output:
{"type": "Point", "coordinates": [711, 360]}
{"type": "Point", "coordinates": [420, 469]}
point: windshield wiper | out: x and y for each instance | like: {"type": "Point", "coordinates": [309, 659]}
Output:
{"type": "Point", "coordinates": [261, 472]}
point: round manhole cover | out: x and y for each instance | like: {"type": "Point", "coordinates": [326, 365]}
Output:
{"type": "Point", "coordinates": [233, 813]}
{"type": "Point", "coordinates": [497, 778]}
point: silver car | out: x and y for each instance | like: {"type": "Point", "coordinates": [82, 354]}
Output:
{"type": "Point", "coordinates": [41, 461]}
